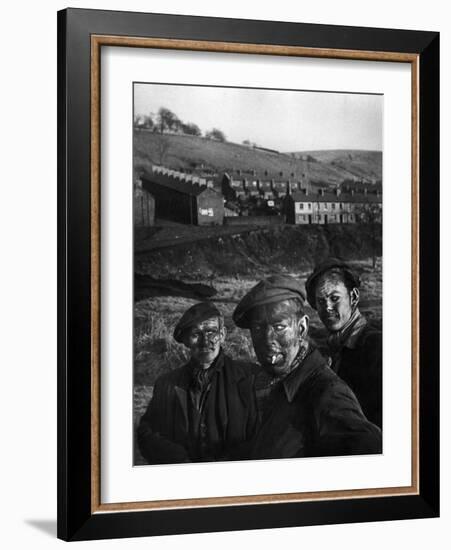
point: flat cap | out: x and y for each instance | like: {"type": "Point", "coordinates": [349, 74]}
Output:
{"type": "Point", "coordinates": [195, 314]}
{"type": "Point", "coordinates": [269, 291]}
{"type": "Point", "coordinates": [320, 269]}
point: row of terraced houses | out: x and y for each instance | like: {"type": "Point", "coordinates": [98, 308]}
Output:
{"type": "Point", "coordinates": [198, 200]}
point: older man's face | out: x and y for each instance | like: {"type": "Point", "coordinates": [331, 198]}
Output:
{"type": "Point", "coordinates": [276, 332]}
{"type": "Point", "coordinates": [334, 302]}
{"type": "Point", "coordinates": [204, 340]}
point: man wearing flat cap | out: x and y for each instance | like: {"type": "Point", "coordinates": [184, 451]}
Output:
{"type": "Point", "coordinates": [355, 346]}
{"type": "Point", "coordinates": [305, 408]}
{"type": "Point", "coordinates": [205, 410]}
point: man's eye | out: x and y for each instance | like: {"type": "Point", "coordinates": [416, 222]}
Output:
{"type": "Point", "coordinates": [279, 327]}
{"type": "Point", "coordinates": [335, 298]}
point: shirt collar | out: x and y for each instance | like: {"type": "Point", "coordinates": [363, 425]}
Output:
{"type": "Point", "coordinates": [311, 363]}
{"type": "Point", "coordinates": [355, 331]}
{"type": "Point", "coordinates": [200, 376]}
{"type": "Point", "coordinates": [349, 334]}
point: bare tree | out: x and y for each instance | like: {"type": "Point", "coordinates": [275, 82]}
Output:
{"type": "Point", "coordinates": [162, 147]}
{"type": "Point", "coordinates": [369, 217]}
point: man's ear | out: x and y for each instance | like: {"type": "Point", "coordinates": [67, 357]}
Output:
{"type": "Point", "coordinates": [355, 297]}
{"type": "Point", "coordinates": [223, 333]}
{"type": "Point", "coordinates": [303, 324]}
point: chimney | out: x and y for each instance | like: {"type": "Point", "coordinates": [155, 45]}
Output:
{"type": "Point", "coordinates": [305, 191]}
{"type": "Point", "coordinates": [321, 192]}
{"type": "Point", "coordinates": [337, 191]}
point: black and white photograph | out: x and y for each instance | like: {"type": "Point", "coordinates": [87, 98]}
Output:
{"type": "Point", "coordinates": [258, 273]}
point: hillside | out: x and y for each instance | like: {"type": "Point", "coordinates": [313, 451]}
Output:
{"type": "Point", "coordinates": [184, 152]}
{"type": "Point", "coordinates": [361, 164]}
{"type": "Point", "coordinates": [261, 251]}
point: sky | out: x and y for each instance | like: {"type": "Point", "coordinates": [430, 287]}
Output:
{"type": "Point", "coordinates": [278, 119]}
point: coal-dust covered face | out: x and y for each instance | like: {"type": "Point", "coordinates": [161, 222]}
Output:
{"type": "Point", "coordinates": [204, 340]}
{"type": "Point", "coordinates": [335, 302]}
{"type": "Point", "coordinates": [277, 331]}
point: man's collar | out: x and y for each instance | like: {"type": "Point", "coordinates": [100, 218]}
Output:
{"type": "Point", "coordinates": [216, 365]}
{"type": "Point", "coordinates": [348, 336]}
{"type": "Point", "coordinates": [312, 361]}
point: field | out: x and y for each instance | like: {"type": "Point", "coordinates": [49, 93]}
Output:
{"type": "Point", "coordinates": [185, 152]}
{"type": "Point", "coordinates": [156, 351]}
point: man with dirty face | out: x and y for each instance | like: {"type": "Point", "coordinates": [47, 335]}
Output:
{"type": "Point", "coordinates": [305, 408]}
{"type": "Point", "coordinates": [205, 410]}
{"type": "Point", "coordinates": [354, 344]}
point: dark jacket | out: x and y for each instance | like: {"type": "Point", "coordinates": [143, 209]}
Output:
{"type": "Point", "coordinates": [172, 430]}
{"type": "Point", "coordinates": [359, 364]}
{"type": "Point", "coordinates": [312, 412]}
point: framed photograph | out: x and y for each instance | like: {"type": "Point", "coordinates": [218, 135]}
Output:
{"type": "Point", "coordinates": [248, 274]}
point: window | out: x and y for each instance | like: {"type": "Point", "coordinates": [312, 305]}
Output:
{"type": "Point", "coordinates": [301, 206]}
{"type": "Point", "coordinates": [206, 212]}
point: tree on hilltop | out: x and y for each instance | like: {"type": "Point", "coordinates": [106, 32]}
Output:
{"type": "Point", "coordinates": [143, 122]}
{"type": "Point", "coordinates": [167, 120]}
{"type": "Point", "coordinates": [191, 129]}
{"type": "Point", "coordinates": [216, 134]}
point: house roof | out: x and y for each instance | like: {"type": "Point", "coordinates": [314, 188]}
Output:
{"type": "Point", "coordinates": [265, 175]}
{"type": "Point", "coordinates": [299, 196]}
{"type": "Point", "coordinates": [188, 188]}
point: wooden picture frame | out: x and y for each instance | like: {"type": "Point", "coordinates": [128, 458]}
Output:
{"type": "Point", "coordinates": [81, 35]}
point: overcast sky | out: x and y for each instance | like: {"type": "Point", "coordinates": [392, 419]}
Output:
{"type": "Point", "coordinates": [278, 119]}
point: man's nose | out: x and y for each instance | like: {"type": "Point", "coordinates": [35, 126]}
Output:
{"type": "Point", "coordinates": [268, 333]}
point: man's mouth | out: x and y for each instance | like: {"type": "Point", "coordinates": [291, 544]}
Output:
{"type": "Point", "coordinates": [274, 357]}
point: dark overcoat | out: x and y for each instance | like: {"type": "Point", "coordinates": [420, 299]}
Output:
{"type": "Point", "coordinates": [229, 419]}
{"type": "Point", "coordinates": [312, 412]}
{"type": "Point", "coordinates": [360, 366]}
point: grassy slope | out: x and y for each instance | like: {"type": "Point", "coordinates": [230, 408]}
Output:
{"type": "Point", "coordinates": [185, 150]}
{"type": "Point", "coordinates": [356, 163]}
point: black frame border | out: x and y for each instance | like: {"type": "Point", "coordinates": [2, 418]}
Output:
{"type": "Point", "coordinates": [75, 520]}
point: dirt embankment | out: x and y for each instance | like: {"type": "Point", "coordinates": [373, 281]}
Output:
{"type": "Point", "coordinates": [260, 252]}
